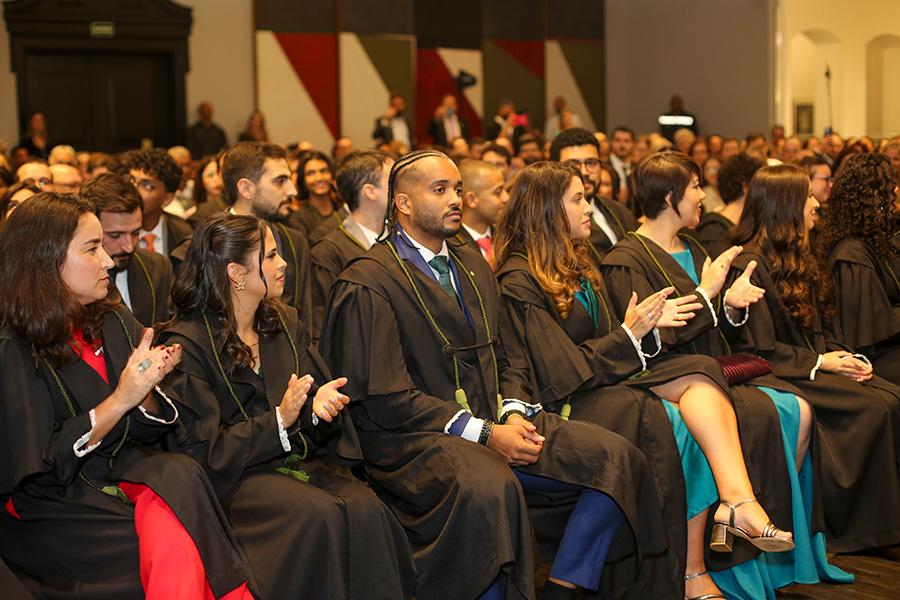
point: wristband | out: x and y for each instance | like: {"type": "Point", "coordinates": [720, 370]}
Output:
{"type": "Point", "coordinates": [486, 428]}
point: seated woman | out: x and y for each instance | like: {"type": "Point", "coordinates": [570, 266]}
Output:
{"type": "Point", "coordinates": [89, 502]}
{"type": "Point", "coordinates": [861, 237]}
{"type": "Point", "coordinates": [771, 413]}
{"type": "Point", "coordinates": [590, 366]}
{"type": "Point", "coordinates": [308, 527]}
{"type": "Point", "coordinates": [208, 196]}
{"type": "Point", "coordinates": [857, 414]}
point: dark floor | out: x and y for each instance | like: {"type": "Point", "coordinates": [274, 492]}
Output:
{"type": "Point", "coordinates": [877, 578]}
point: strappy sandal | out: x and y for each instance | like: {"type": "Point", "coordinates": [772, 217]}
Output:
{"type": "Point", "coordinates": [704, 596]}
{"type": "Point", "coordinates": [723, 533]}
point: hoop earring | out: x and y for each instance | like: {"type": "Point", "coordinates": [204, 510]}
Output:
{"type": "Point", "coordinates": [240, 285]}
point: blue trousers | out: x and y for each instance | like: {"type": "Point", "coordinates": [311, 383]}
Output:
{"type": "Point", "coordinates": [589, 532]}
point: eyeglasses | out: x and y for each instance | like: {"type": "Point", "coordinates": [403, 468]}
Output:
{"type": "Point", "coordinates": [591, 164]}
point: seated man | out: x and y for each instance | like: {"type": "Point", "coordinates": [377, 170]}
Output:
{"type": "Point", "coordinates": [413, 325]}
{"type": "Point", "coordinates": [142, 278]}
{"type": "Point", "coordinates": [156, 177]}
{"type": "Point", "coordinates": [483, 202]}
{"type": "Point", "coordinates": [362, 179]}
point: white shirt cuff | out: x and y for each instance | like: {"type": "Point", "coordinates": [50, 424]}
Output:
{"type": "Point", "coordinates": [637, 346]}
{"type": "Point", "coordinates": [819, 361]}
{"type": "Point", "coordinates": [514, 404]}
{"type": "Point", "coordinates": [282, 432]}
{"type": "Point", "coordinates": [79, 447]}
{"type": "Point", "coordinates": [658, 344]}
{"type": "Point", "coordinates": [472, 430]}
{"type": "Point", "coordinates": [728, 316]}
{"type": "Point", "coordinates": [709, 304]}
{"type": "Point", "coordinates": [153, 417]}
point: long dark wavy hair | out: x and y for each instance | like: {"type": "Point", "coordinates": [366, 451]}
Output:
{"type": "Point", "coordinates": [203, 288]}
{"type": "Point", "coordinates": [535, 224]}
{"type": "Point", "coordinates": [862, 203]}
{"type": "Point", "coordinates": [773, 220]}
{"type": "Point", "coordinates": [37, 305]}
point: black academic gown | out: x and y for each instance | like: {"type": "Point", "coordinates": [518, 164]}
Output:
{"type": "Point", "coordinates": [329, 257]}
{"type": "Point", "coordinates": [328, 538]}
{"type": "Point", "coordinates": [178, 233]}
{"type": "Point", "coordinates": [867, 298]}
{"type": "Point", "coordinates": [714, 232]}
{"type": "Point", "coordinates": [629, 267]}
{"type": "Point", "coordinates": [858, 425]}
{"type": "Point", "coordinates": [596, 370]}
{"type": "Point", "coordinates": [619, 218]}
{"type": "Point", "coordinates": [308, 220]}
{"type": "Point", "coordinates": [206, 210]}
{"type": "Point", "coordinates": [459, 501]}
{"type": "Point", "coordinates": [75, 540]}
{"type": "Point", "coordinates": [294, 249]}
{"type": "Point", "coordinates": [149, 283]}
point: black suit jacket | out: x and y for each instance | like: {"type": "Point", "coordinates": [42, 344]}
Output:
{"type": "Point", "coordinates": [439, 135]}
{"type": "Point", "coordinates": [383, 134]}
{"type": "Point", "coordinates": [149, 283]}
{"type": "Point", "coordinates": [620, 219]}
{"type": "Point", "coordinates": [178, 234]}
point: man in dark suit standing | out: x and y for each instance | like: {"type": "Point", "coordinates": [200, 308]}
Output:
{"type": "Point", "coordinates": [393, 125]}
{"type": "Point", "coordinates": [611, 220]}
{"type": "Point", "coordinates": [204, 137]}
{"type": "Point", "coordinates": [156, 177]}
{"type": "Point", "coordinates": [447, 124]}
{"type": "Point", "coordinates": [141, 278]}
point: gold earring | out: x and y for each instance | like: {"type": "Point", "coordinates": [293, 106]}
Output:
{"type": "Point", "coordinates": [240, 285]}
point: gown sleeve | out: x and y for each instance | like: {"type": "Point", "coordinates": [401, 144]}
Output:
{"type": "Point", "coordinates": [35, 444]}
{"type": "Point", "coordinates": [226, 451]}
{"type": "Point", "coordinates": [534, 338]}
{"type": "Point", "coordinates": [621, 280]}
{"type": "Point", "coordinates": [864, 315]}
{"type": "Point", "coordinates": [361, 341]}
{"type": "Point", "coordinates": [760, 336]}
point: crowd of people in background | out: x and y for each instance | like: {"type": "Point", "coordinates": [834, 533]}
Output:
{"type": "Point", "coordinates": [668, 360]}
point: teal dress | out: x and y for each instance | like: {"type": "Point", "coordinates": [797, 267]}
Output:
{"type": "Point", "coordinates": [760, 577]}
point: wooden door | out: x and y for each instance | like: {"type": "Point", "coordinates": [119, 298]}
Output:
{"type": "Point", "coordinates": [103, 101]}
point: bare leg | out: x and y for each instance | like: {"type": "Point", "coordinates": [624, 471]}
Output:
{"type": "Point", "coordinates": [805, 434]}
{"type": "Point", "coordinates": [697, 586]}
{"type": "Point", "coordinates": [710, 418]}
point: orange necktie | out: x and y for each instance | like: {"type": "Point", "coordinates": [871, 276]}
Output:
{"type": "Point", "coordinates": [148, 241]}
{"type": "Point", "coordinates": [487, 248]}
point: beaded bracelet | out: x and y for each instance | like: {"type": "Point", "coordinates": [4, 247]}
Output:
{"type": "Point", "coordinates": [510, 413]}
{"type": "Point", "coordinates": [486, 428]}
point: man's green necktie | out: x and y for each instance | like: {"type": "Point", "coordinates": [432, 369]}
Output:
{"type": "Point", "coordinates": [442, 266]}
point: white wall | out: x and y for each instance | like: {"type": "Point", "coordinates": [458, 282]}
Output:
{"type": "Point", "coordinates": [718, 54]}
{"type": "Point", "coordinates": [9, 114]}
{"type": "Point", "coordinates": [839, 32]}
{"type": "Point", "coordinates": [221, 61]}
{"type": "Point", "coordinates": [221, 67]}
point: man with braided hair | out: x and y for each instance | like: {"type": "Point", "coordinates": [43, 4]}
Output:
{"type": "Point", "coordinates": [453, 441]}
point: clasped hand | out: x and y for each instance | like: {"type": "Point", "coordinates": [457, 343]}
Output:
{"type": "Point", "coordinates": [844, 363]}
{"type": "Point", "coordinates": [518, 441]}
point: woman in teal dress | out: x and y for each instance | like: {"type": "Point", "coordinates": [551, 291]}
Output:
{"type": "Point", "coordinates": [589, 365]}
{"type": "Point", "coordinates": [660, 253]}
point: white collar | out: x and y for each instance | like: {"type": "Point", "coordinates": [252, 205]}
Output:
{"type": "Point", "coordinates": [477, 236]}
{"type": "Point", "coordinates": [425, 252]}
{"type": "Point", "coordinates": [371, 236]}
{"type": "Point", "coordinates": [156, 231]}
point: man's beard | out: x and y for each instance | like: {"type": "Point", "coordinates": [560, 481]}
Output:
{"type": "Point", "coordinates": [268, 213]}
{"type": "Point", "coordinates": [117, 268]}
{"type": "Point", "coordinates": [434, 225]}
